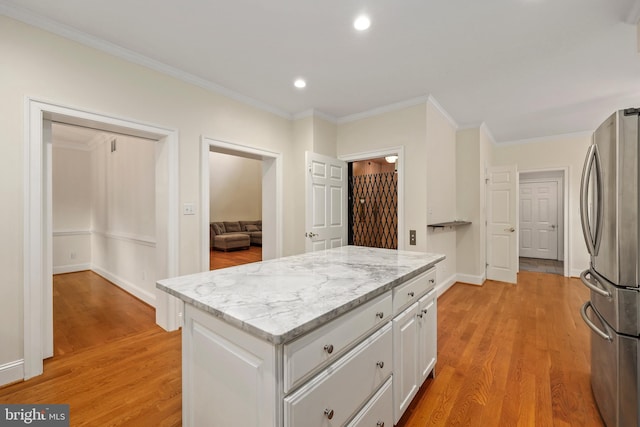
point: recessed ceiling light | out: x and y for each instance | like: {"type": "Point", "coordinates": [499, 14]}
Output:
{"type": "Point", "coordinates": [300, 83]}
{"type": "Point", "coordinates": [361, 23]}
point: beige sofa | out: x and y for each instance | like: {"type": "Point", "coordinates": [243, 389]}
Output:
{"type": "Point", "coordinates": [228, 235]}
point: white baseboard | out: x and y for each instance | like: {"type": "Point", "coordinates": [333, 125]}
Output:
{"type": "Point", "coordinates": [471, 280]}
{"type": "Point", "coordinates": [575, 273]}
{"type": "Point", "coordinates": [132, 288]}
{"type": "Point", "coordinates": [11, 372]}
{"type": "Point", "coordinates": [445, 285]}
{"type": "Point", "coordinates": [72, 268]}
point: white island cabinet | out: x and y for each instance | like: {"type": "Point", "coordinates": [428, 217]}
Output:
{"type": "Point", "coordinates": [307, 340]}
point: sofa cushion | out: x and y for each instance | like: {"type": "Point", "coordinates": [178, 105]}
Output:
{"type": "Point", "coordinates": [218, 228]}
{"type": "Point", "coordinates": [251, 227]}
{"type": "Point", "coordinates": [232, 227]}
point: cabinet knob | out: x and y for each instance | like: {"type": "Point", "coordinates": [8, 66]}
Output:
{"type": "Point", "coordinates": [420, 315]}
{"type": "Point", "coordinates": [380, 424]}
{"type": "Point", "coordinates": [329, 349]}
{"type": "Point", "coordinates": [411, 294]}
{"type": "Point", "coordinates": [432, 281]}
{"type": "Point", "coordinates": [424, 310]}
{"type": "Point", "coordinates": [380, 314]}
{"type": "Point", "coordinates": [329, 413]}
{"type": "Point", "coordinates": [380, 364]}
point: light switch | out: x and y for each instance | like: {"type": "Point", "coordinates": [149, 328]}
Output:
{"type": "Point", "coordinates": [189, 209]}
{"type": "Point", "coordinates": [412, 237]}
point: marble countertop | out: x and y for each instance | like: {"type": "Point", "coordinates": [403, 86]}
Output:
{"type": "Point", "coordinates": [279, 300]}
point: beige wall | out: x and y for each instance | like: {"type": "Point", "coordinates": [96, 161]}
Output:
{"type": "Point", "coordinates": [441, 191]}
{"type": "Point", "coordinates": [556, 152]}
{"type": "Point", "coordinates": [235, 187]}
{"type": "Point", "coordinates": [43, 66]}
{"type": "Point", "coordinates": [406, 127]}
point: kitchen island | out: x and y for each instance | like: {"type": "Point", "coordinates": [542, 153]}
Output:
{"type": "Point", "coordinates": [308, 339]}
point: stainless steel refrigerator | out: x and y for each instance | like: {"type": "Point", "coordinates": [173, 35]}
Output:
{"type": "Point", "coordinates": [609, 204]}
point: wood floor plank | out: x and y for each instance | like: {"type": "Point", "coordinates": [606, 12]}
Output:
{"type": "Point", "coordinates": [508, 355]}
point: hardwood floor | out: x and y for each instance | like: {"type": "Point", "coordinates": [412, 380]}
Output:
{"type": "Point", "coordinates": [221, 259]}
{"type": "Point", "coordinates": [509, 355]}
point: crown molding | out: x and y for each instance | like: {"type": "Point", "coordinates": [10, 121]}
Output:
{"type": "Point", "coordinates": [633, 16]}
{"type": "Point", "coordinates": [384, 109]}
{"type": "Point", "coordinates": [578, 134]}
{"type": "Point", "coordinates": [445, 113]}
{"type": "Point", "coordinates": [67, 32]}
{"type": "Point", "coordinates": [485, 128]}
{"type": "Point", "coordinates": [312, 112]}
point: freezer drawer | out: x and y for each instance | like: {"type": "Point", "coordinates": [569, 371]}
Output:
{"type": "Point", "coordinates": [614, 371]}
{"type": "Point", "coordinates": [618, 306]}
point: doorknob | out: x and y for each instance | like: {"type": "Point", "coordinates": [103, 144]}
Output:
{"type": "Point", "coordinates": [311, 234]}
{"type": "Point", "coordinates": [510, 229]}
{"type": "Point", "coordinates": [553, 226]}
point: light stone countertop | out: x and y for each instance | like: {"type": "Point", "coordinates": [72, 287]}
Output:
{"type": "Point", "coordinates": [279, 300]}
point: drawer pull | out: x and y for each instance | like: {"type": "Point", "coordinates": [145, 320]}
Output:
{"type": "Point", "coordinates": [411, 294]}
{"type": "Point", "coordinates": [380, 424]}
{"type": "Point", "coordinates": [329, 413]}
{"type": "Point", "coordinates": [380, 364]}
{"type": "Point", "coordinates": [380, 314]}
{"type": "Point", "coordinates": [329, 349]}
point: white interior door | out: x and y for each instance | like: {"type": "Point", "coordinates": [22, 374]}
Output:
{"type": "Point", "coordinates": [539, 219]}
{"type": "Point", "coordinates": [502, 248]}
{"type": "Point", "coordinates": [326, 202]}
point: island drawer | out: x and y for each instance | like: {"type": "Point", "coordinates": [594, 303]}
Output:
{"type": "Point", "coordinates": [378, 411]}
{"type": "Point", "coordinates": [307, 354]}
{"type": "Point", "coordinates": [408, 293]}
{"type": "Point", "coordinates": [338, 392]}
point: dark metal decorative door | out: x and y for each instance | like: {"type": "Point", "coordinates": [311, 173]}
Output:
{"type": "Point", "coordinates": [375, 210]}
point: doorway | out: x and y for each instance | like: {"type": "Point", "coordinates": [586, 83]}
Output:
{"type": "Point", "coordinates": [541, 221]}
{"type": "Point", "coordinates": [38, 270]}
{"type": "Point", "coordinates": [373, 203]}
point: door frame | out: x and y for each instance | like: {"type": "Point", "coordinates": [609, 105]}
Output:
{"type": "Point", "coordinates": [565, 209]}
{"type": "Point", "coordinates": [37, 211]}
{"type": "Point", "coordinates": [271, 195]}
{"type": "Point", "coordinates": [390, 151]}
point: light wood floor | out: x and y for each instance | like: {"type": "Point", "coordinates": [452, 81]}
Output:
{"type": "Point", "coordinates": [509, 355]}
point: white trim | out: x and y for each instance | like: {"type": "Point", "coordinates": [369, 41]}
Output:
{"type": "Point", "coordinates": [314, 113]}
{"type": "Point", "coordinates": [71, 268]}
{"type": "Point", "coordinates": [441, 110]}
{"type": "Point", "coordinates": [471, 279]}
{"type": "Point", "coordinates": [444, 285]}
{"type": "Point", "coordinates": [272, 186]}
{"type": "Point", "coordinates": [65, 31]}
{"type": "Point", "coordinates": [11, 372]}
{"type": "Point", "coordinates": [399, 151]}
{"type": "Point", "coordinates": [633, 17]}
{"type": "Point", "coordinates": [126, 237]}
{"type": "Point", "coordinates": [130, 287]}
{"type": "Point", "coordinates": [566, 170]}
{"type": "Point", "coordinates": [60, 233]}
{"type": "Point", "coordinates": [546, 138]}
{"type": "Point", "coordinates": [37, 268]}
{"type": "Point", "coordinates": [384, 109]}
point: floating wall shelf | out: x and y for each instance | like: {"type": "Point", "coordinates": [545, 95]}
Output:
{"type": "Point", "coordinates": [451, 224]}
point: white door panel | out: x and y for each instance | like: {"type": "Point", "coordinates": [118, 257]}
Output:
{"type": "Point", "coordinates": [326, 202]}
{"type": "Point", "coordinates": [539, 219]}
{"type": "Point", "coordinates": [502, 249]}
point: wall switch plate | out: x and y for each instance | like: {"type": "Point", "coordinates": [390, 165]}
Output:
{"type": "Point", "coordinates": [189, 209]}
{"type": "Point", "coordinates": [412, 237]}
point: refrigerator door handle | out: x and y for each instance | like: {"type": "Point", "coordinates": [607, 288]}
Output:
{"type": "Point", "coordinates": [591, 325]}
{"type": "Point", "coordinates": [592, 283]}
{"type": "Point", "coordinates": [592, 239]}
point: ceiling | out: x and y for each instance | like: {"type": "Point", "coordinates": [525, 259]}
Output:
{"type": "Point", "coordinates": [525, 68]}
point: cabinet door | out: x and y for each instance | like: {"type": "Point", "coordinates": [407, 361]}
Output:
{"type": "Point", "coordinates": [405, 363]}
{"type": "Point", "coordinates": [427, 334]}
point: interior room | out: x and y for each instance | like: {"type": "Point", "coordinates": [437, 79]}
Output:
{"type": "Point", "coordinates": [384, 214]}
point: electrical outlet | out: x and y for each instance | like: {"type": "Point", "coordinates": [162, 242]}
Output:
{"type": "Point", "coordinates": [72, 255]}
{"type": "Point", "coordinates": [189, 209]}
{"type": "Point", "coordinates": [412, 237]}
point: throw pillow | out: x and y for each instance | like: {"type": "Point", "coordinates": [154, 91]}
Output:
{"type": "Point", "coordinates": [232, 227]}
{"type": "Point", "coordinates": [251, 227]}
{"type": "Point", "coordinates": [217, 229]}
